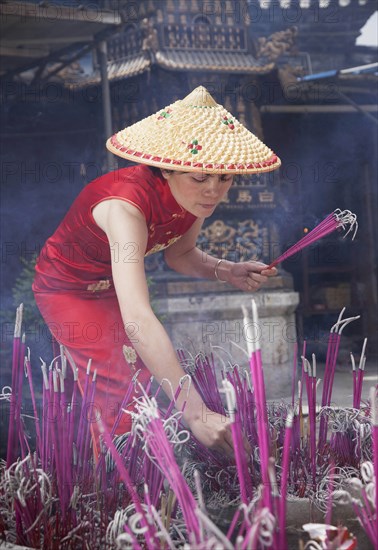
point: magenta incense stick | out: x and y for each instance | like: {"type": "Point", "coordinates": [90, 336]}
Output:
{"type": "Point", "coordinates": [294, 374]}
{"type": "Point", "coordinates": [260, 399]}
{"type": "Point", "coordinates": [360, 377]}
{"type": "Point", "coordinates": [15, 401]}
{"type": "Point", "coordinates": [83, 413]}
{"type": "Point", "coordinates": [285, 481]}
{"type": "Point", "coordinates": [28, 373]}
{"type": "Point", "coordinates": [246, 490]}
{"type": "Point", "coordinates": [374, 424]}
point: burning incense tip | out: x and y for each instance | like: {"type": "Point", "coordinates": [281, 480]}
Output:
{"type": "Point", "coordinates": [245, 312]}
{"type": "Point", "coordinates": [229, 392]}
{"type": "Point", "coordinates": [89, 366]}
{"type": "Point", "coordinates": [289, 420]}
{"type": "Point", "coordinates": [255, 319]}
{"type": "Point", "coordinates": [18, 322]}
{"type": "Point", "coordinates": [247, 329]}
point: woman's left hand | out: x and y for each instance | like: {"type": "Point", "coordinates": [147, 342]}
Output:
{"type": "Point", "coordinates": [249, 276]}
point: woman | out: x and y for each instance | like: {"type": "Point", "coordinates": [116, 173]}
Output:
{"type": "Point", "coordinates": [90, 282]}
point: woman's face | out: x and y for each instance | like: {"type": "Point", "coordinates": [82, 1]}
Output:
{"type": "Point", "coordinates": [198, 193]}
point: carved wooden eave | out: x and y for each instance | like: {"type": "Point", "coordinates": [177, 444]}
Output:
{"type": "Point", "coordinates": [224, 62]}
{"type": "Point", "coordinates": [198, 61]}
{"type": "Point", "coordinates": [178, 60]}
{"type": "Point", "coordinates": [127, 67]}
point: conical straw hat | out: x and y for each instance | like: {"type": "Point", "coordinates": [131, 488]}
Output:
{"type": "Point", "coordinates": [191, 135]}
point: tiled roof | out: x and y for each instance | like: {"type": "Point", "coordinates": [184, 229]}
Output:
{"type": "Point", "coordinates": [123, 68]}
{"type": "Point", "coordinates": [231, 62]}
{"type": "Point", "coordinates": [234, 62]}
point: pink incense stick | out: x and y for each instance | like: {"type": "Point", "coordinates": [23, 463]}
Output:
{"type": "Point", "coordinates": [14, 401]}
{"type": "Point", "coordinates": [254, 352]}
{"type": "Point", "coordinates": [285, 481]}
{"type": "Point", "coordinates": [90, 412]}
{"type": "Point", "coordinates": [360, 379]}
{"type": "Point", "coordinates": [300, 393]}
{"type": "Point", "coordinates": [35, 411]}
{"type": "Point", "coordinates": [18, 422]}
{"type": "Point", "coordinates": [72, 406]}
{"type": "Point", "coordinates": [332, 222]}
{"type": "Point", "coordinates": [294, 373]}
{"type": "Point", "coordinates": [374, 425]}
{"type": "Point", "coordinates": [83, 413]}
{"type": "Point", "coordinates": [237, 438]}
{"type": "Point", "coordinates": [45, 414]}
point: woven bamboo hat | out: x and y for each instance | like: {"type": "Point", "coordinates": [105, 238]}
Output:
{"type": "Point", "coordinates": [194, 134]}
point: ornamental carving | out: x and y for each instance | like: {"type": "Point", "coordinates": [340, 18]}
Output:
{"type": "Point", "coordinates": [219, 232]}
{"type": "Point", "coordinates": [245, 241]}
{"type": "Point", "coordinates": [277, 44]}
{"type": "Point", "coordinates": [235, 241]}
{"type": "Point", "coordinates": [150, 36]}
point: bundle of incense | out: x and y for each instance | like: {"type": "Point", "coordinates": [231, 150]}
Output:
{"type": "Point", "coordinates": [329, 372]}
{"type": "Point", "coordinates": [205, 378]}
{"type": "Point", "coordinates": [149, 426]}
{"type": "Point", "coordinates": [332, 222]}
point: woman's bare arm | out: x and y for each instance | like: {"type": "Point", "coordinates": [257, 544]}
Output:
{"type": "Point", "coordinates": [184, 257]}
{"type": "Point", "coordinates": [125, 226]}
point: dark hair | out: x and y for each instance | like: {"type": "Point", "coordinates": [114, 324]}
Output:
{"type": "Point", "coordinates": [155, 170]}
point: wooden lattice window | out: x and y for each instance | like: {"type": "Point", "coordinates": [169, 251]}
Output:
{"type": "Point", "coordinates": [124, 44]}
{"type": "Point", "coordinates": [202, 32]}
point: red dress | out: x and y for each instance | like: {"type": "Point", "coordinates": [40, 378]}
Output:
{"type": "Point", "coordinates": [74, 290]}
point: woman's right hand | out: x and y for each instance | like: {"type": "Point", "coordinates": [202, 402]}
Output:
{"type": "Point", "coordinates": [214, 431]}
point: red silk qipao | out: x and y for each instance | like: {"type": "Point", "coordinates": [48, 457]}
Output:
{"type": "Point", "coordinates": [74, 290]}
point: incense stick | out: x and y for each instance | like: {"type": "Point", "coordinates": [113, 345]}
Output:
{"type": "Point", "coordinates": [14, 401]}
{"type": "Point", "coordinates": [237, 437]}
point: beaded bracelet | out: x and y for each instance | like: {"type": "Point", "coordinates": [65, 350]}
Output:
{"type": "Point", "coordinates": [216, 271]}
